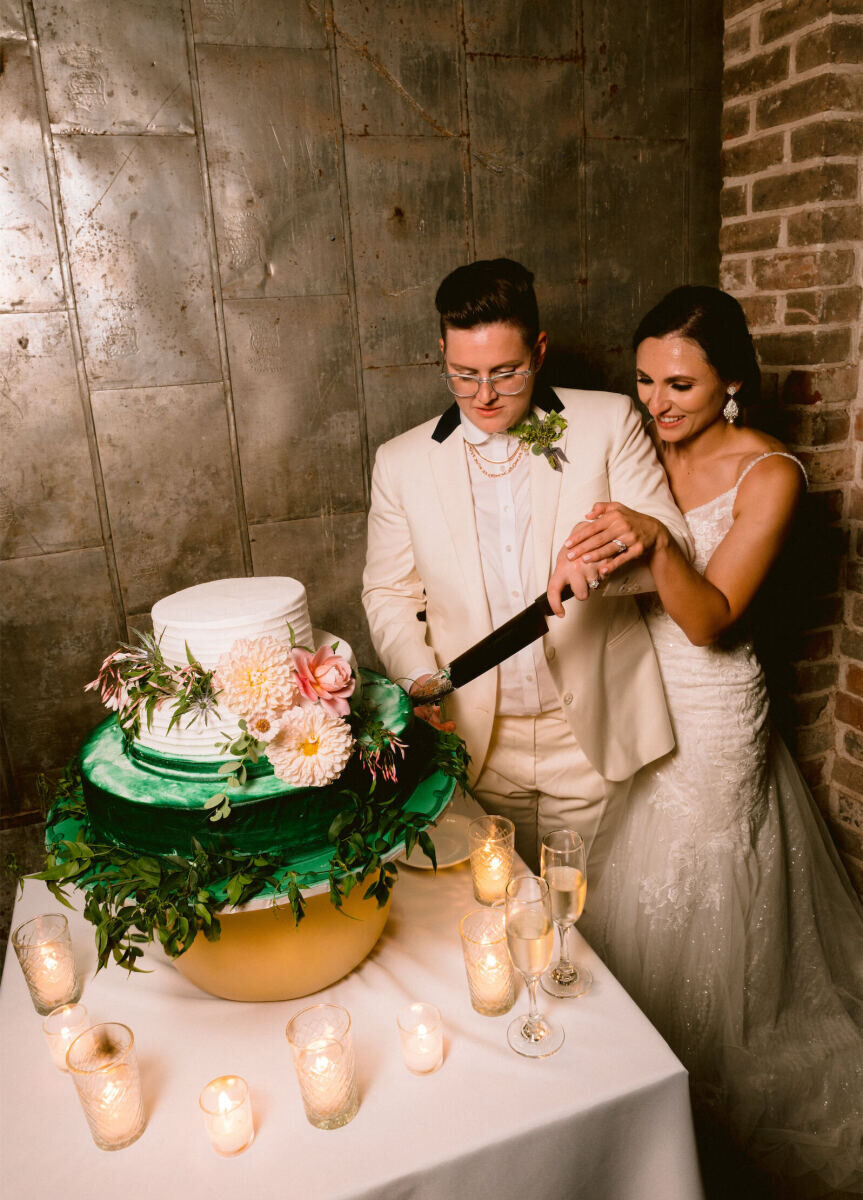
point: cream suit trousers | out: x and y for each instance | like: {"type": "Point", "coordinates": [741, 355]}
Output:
{"type": "Point", "coordinates": [536, 774]}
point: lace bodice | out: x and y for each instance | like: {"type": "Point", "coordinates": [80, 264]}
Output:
{"type": "Point", "coordinates": [708, 524]}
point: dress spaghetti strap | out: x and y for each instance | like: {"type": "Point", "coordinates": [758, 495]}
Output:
{"type": "Point", "coordinates": [771, 454]}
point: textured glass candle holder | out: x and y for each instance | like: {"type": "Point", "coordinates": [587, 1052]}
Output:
{"type": "Point", "coordinates": [492, 849]}
{"type": "Point", "coordinates": [320, 1041]}
{"type": "Point", "coordinates": [227, 1111]}
{"type": "Point", "coordinates": [421, 1033]}
{"type": "Point", "coordinates": [490, 976]}
{"type": "Point", "coordinates": [44, 950]}
{"type": "Point", "coordinates": [104, 1066]}
{"type": "Point", "coordinates": [61, 1027]}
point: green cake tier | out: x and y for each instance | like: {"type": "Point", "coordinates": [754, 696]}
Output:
{"type": "Point", "coordinates": [152, 803]}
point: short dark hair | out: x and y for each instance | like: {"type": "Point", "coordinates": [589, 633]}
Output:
{"type": "Point", "coordinates": [715, 321]}
{"type": "Point", "coordinates": [488, 291]}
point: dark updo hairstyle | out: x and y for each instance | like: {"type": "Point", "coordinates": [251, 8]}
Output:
{"type": "Point", "coordinates": [715, 321]}
{"type": "Point", "coordinates": [488, 291]}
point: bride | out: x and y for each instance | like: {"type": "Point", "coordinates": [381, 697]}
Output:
{"type": "Point", "coordinates": [724, 909]}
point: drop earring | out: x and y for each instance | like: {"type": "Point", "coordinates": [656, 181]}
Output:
{"type": "Point", "coordinates": [731, 411]}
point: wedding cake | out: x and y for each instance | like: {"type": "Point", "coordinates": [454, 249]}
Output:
{"type": "Point", "coordinates": [249, 767]}
{"type": "Point", "coordinates": [206, 621]}
{"type": "Point", "coordinates": [235, 689]}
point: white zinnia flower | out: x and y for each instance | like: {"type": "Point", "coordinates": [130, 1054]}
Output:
{"type": "Point", "coordinates": [256, 675]}
{"type": "Point", "coordinates": [263, 726]}
{"type": "Point", "coordinates": [312, 747]}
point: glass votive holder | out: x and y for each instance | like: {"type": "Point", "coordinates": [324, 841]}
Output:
{"type": "Point", "coordinates": [487, 962]}
{"type": "Point", "coordinates": [61, 1027]}
{"type": "Point", "coordinates": [421, 1033]}
{"type": "Point", "coordinates": [492, 849]}
{"type": "Point", "coordinates": [320, 1041]}
{"type": "Point", "coordinates": [227, 1110]}
{"type": "Point", "coordinates": [104, 1066]}
{"type": "Point", "coordinates": [44, 950]}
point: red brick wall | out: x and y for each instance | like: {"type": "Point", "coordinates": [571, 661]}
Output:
{"type": "Point", "coordinates": [791, 252]}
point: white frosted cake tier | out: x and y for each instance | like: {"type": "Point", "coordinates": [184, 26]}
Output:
{"type": "Point", "coordinates": [193, 739]}
{"type": "Point", "coordinates": [210, 617]}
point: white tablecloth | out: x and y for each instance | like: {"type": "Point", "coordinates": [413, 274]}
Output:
{"type": "Point", "coordinates": [607, 1117]}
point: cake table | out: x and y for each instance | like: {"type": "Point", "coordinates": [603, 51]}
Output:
{"type": "Point", "coordinates": [607, 1117]}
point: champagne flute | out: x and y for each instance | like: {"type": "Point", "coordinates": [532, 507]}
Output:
{"type": "Point", "coordinates": [530, 940]}
{"type": "Point", "coordinates": [562, 863]}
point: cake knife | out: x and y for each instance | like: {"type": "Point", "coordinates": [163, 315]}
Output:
{"type": "Point", "coordinates": [528, 625]}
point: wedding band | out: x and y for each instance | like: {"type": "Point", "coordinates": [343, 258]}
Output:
{"type": "Point", "coordinates": [593, 584]}
{"type": "Point", "coordinates": [623, 546]}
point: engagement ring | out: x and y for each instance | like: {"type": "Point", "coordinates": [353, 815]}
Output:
{"type": "Point", "coordinates": [621, 544]}
{"type": "Point", "coordinates": [593, 584]}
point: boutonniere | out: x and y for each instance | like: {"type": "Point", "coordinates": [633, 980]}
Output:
{"type": "Point", "coordinates": [541, 434]}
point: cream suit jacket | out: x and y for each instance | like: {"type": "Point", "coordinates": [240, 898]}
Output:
{"type": "Point", "coordinates": [423, 555]}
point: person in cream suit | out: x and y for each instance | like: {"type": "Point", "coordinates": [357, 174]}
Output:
{"type": "Point", "coordinates": [464, 528]}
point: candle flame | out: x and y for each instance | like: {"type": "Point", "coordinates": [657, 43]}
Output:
{"type": "Point", "coordinates": [225, 1103]}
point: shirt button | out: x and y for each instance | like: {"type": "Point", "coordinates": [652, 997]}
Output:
{"type": "Point", "coordinates": [515, 594]}
{"type": "Point", "coordinates": [508, 549]}
{"type": "Point", "coordinates": [529, 678]}
{"type": "Point", "coordinates": [550, 652]}
{"type": "Point", "coordinates": [567, 699]}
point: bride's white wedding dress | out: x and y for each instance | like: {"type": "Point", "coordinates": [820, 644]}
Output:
{"type": "Point", "coordinates": [726, 914]}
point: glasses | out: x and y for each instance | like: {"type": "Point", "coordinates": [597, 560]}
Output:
{"type": "Point", "coordinates": [502, 383]}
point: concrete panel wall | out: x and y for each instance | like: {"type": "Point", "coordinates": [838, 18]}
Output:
{"type": "Point", "coordinates": [222, 226]}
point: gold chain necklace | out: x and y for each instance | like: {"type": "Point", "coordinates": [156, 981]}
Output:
{"type": "Point", "coordinates": [509, 464]}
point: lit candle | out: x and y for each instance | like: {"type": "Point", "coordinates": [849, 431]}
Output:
{"type": "Point", "coordinates": [421, 1035]}
{"type": "Point", "coordinates": [320, 1039]}
{"type": "Point", "coordinates": [61, 1027]}
{"type": "Point", "coordinates": [55, 975]}
{"type": "Point", "coordinates": [329, 1084]}
{"type": "Point", "coordinates": [119, 1105]}
{"type": "Point", "coordinates": [228, 1114]}
{"type": "Point", "coordinates": [103, 1065]}
{"type": "Point", "coordinates": [44, 950]}
{"type": "Point", "coordinates": [490, 873]}
{"type": "Point", "coordinates": [487, 961]}
{"type": "Point", "coordinates": [492, 844]}
{"type": "Point", "coordinates": [493, 980]}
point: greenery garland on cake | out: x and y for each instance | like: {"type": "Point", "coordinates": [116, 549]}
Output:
{"type": "Point", "coordinates": [295, 708]}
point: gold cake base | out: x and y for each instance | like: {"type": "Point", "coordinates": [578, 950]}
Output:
{"type": "Point", "coordinates": [263, 955]}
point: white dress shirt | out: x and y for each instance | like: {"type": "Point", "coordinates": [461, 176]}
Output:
{"type": "Point", "coordinates": [503, 526]}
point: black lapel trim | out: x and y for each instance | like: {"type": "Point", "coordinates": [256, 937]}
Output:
{"type": "Point", "coordinates": [543, 397]}
{"type": "Point", "coordinates": [448, 422]}
{"type": "Point", "coordinates": [546, 399]}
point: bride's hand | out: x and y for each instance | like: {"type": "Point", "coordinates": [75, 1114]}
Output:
{"type": "Point", "coordinates": [613, 535]}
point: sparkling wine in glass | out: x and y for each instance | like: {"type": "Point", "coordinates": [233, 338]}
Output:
{"type": "Point", "coordinates": [563, 868]}
{"type": "Point", "coordinates": [530, 939]}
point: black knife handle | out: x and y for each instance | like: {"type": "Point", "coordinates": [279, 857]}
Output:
{"type": "Point", "coordinates": [542, 601]}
